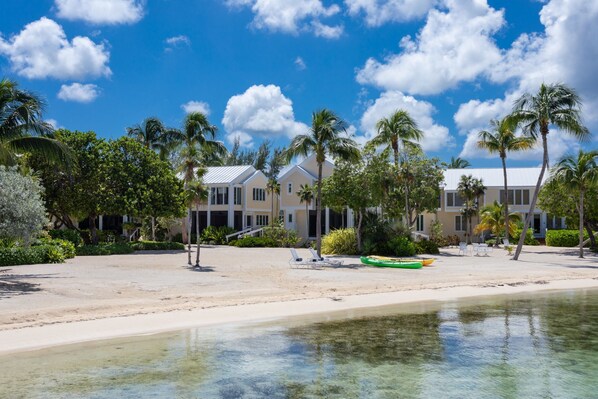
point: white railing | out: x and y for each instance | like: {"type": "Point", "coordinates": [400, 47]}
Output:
{"type": "Point", "coordinates": [132, 236]}
{"type": "Point", "coordinates": [252, 232]}
{"type": "Point", "coordinates": [245, 230]}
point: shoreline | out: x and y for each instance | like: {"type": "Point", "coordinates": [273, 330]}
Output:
{"type": "Point", "coordinates": [27, 339]}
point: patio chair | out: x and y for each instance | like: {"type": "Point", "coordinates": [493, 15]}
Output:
{"type": "Point", "coordinates": [505, 242]}
{"type": "Point", "coordinates": [297, 261]}
{"type": "Point", "coordinates": [326, 261]}
{"type": "Point", "coordinates": [462, 248]}
{"type": "Point", "coordinates": [481, 249]}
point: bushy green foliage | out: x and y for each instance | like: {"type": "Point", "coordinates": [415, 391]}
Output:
{"type": "Point", "coordinates": [67, 247]}
{"type": "Point", "coordinates": [22, 212]}
{"type": "Point", "coordinates": [104, 236]}
{"type": "Point", "coordinates": [529, 238]}
{"type": "Point", "coordinates": [426, 247]}
{"type": "Point", "coordinates": [491, 242]}
{"type": "Point", "coordinates": [563, 238]}
{"type": "Point", "coordinates": [340, 242]}
{"type": "Point", "coordinates": [254, 242]}
{"type": "Point", "coordinates": [68, 235]}
{"type": "Point", "coordinates": [104, 249]}
{"type": "Point", "coordinates": [282, 237]}
{"type": "Point", "coordinates": [157, 246]}
{"type": "Point", "coordinates": [401, 246]}
{"type": "Point", "coordinates": [215, 235]}
{"type": "Point", "coordinates": [29, 256]}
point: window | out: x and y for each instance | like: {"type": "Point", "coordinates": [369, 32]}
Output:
{"type": "Point", "coordinates": [290, 188]}
{"type": "Point", "coordinates": [237, 196]}
{"type": "Point", "coordinates": [290, 218]}
{"type": "Point", "coordinates": [219, 195]}
{"type": "Point", "coordinates": [460, 224]}
{"type": "Point", "coordinates": [261, 220]}
{"type": "Point", "coordinates": [419, 223]}
{"type": "Point", "coordinates": [454, 200]}
{"type": "Point", "coordinates": [516, 197]}
{"type": "Point", "coordinates": [259, 194]}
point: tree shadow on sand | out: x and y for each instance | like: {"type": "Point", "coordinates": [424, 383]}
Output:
{"type": "Point", "coordinates": [14, 284]}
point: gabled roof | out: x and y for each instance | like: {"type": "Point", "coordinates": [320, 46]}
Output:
{"type": "Point", "coordinates": [228, 174]}
{"type": "Point", "coordinates": [290, 169]}
{"type": "Point", "coordinates": [493, 177]}
{"type": "Point", "coordinates": [301, 166]}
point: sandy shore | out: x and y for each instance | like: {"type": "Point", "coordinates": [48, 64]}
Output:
{"type": "Point", "coordinates": [92, 298]}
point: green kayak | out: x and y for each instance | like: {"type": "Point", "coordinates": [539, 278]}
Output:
{"type": "Point", "coordinates": [390, 263]}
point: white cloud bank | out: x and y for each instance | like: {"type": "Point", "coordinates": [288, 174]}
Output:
{"type": "Point", "coordinates": [42, 50]}
{"type": "Point", "coordinates": [292, 16]}
{"type": "Point", "coordinates": [261, 111]}
{"type": "Point", "coordinates": [109, 12]}
{"type": "Point", "coordinates": [82, 93]}
{"type": "Point", "coordinates": [196, 106]}
{"type": "Point", "coordinates": [379, 12]}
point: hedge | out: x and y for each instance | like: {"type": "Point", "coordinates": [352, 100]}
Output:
{"type": "Point", "coordinates": [157, 246]}
{"type": "Point", "coordinates": [426, 247]}
{"type": "Point", "coordinates": [68, 235]}
{"type": "Point", "coordinates": [254, 242]}
{"type": "Point", "coordinates": [29, 256]}
{"type": "Point", "coordinates": [67, 247]}
{"type": "Point", "coordinates": [564, 238]}
{"type": "Point", "coordinates": [104, 249]}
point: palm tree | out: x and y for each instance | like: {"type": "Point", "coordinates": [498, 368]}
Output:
{"type": "Point", "coordinates": [458, 163]}
{"type": "Point", "coordinates": [554, 104]}
{"type": "Point", "coordinates": [306, 194]}
{"type": "Point", "coordinates": [273, 188]}
{"type": "Point", "coordinates": [578, 174]}
{"type": "Point", "coordinates": [470, 189]}
{"type": "Point", "coordinates": [153, 135]}
{"type": "Point", "coordinates": [501, 140]}
{"type": "Point", "coordinates": [197, 194]}
{"type": "Point", "coordinates": [196, 138]}
{"type": "Point", "coordinates": [492, 218]}
{"type": "Point", "coordinates": [398, 132]}
{"type": "Point", "coordinates": [324, 138]}
{"type": "Point", "coordinates": [22, 129]}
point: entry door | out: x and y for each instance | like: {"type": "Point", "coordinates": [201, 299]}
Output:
{"type": "Point", "coordinates": [248, 221]}
{"type": "Point", "coordinates": [290, 220]}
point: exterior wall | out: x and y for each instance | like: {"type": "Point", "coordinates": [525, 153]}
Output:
{"type": "Point", "coordinates": [296, 179]}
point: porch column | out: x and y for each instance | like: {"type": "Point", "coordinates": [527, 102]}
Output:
{"type": "Point", "coordinates": [327, 223]}
{"type": "Point", "coordinates": [350, 218]}
{"type": "Point", "coordinates": [101, 222]}
{"type": "Point", "coordinates": [543, 224]}
{"type": "Point", "coordinates": [231, 206]}
{"type": "Point", "coordinates": [209, 212]}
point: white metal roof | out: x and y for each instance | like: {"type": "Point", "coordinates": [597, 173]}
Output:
{"type": "Point", "coordinates": [493, 177]}
{"type": "Point", "coordinates": [228, 174]}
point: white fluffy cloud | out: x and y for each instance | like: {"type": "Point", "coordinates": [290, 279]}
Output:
{"type": "Point", "coordinates": [82, 93]}
{"type": "Point", "coordinates": [379, 12]}
{"type": "Point", "coordinates": [42, 50]}
{"type": "Point", "coordinates": [177, 41]}
{"type": "Point", "coordinates": [291, 16]}
{"type": "Point", "coordinates": [101, 11]}
{"type": "Point", "coordinates": [196, 106]}
{"type": "Point", "coordinates": [436, 137]}
{"type": "Point", "coordinates": [262, 111]}
{"type": "Point", "coordinates": [454, 46]}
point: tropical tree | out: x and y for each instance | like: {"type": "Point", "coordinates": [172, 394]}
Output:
{"type": "Point", "coordinates": [502, 140]}
{"type": "Point", "coordinates": [23, 130]}
{"type": "Point", "coordinates": [195, 139]}
{"type": "Point", "coordinates": [553, 104]}
{"type": "Point", "coordinates": [196, 194]}
{"type": "Point", "coordinates": [399, 132]}
{"type": "Point", "coordinates": [578, 174]}
{"type": "Point", "coordinates": [153, 135]}
{"type": "Point", "coordinates": [306, 195]}
{"type": "Point", "coordinates": [470, 189]}
{"type": "Point", "coordinates": [458, 163]}
{"type": "Point", "coordinates": [492, 218]}
{"type": "Point", "coordinates": [273, 188]}
{"type": "Point", "coordinates": [324, 139]}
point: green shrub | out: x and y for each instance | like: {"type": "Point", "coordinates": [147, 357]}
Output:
{"type": "Point", "coordinates": [216, 235]}
{"type": "Point", "coordinates": [254, 242]}
{"type": "Point", "coordinates": [564, 238]}
{"type": "Point", "coordinates": [68, 235]}
{"type": "Point", "coordinates": [426, 247]}
{"type": "Point", "coordinates": [282, 237]}
{"type": "Point", "coordinates": [67, 247]}
{"type": "Point", "coordinates": [529, 238]}
{"type": "Point", "coordinates": [340, 242]}
{"type": "Point", "coordinates": [401, 246]}
{"type": "Point", "coordinates": [491, 242]}
{"type": "Point", "coordinates": [104, 236]}
{"type": "Point", "coordinates": [104, 249]}
{"type": "Point", "coordinates": [30, 256]}
{"type": "Point", "coordinates": [178, 237]}
{"type": "Point", "coordinates": [157, 246]}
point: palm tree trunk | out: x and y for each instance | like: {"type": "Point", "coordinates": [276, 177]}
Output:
{"type": "Point", "coordinates": [93, 232]}
{"type": "Point", "coordinates": [358, 232]}
{"type": "Point", "coordinates": [319, 212]}
{"type": "Point", "coordinates": [197, 235]}
{"type": "Point", "coordinates": [581, 195]}
{"type": "Point", "coordinates": [272, 209]}
{"type": "Point", "coordinates": [532, 206]}
{"type": "Point", "coordinates": [307, 219]}
{"type": "Point", "coordinates": [153, 228]}
{"type": "Point", "coordinates": [506, 197]}
{"type": "Point", "coordinates": [189, 222]}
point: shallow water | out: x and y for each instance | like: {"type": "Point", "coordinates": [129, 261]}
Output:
{"type": "Point", "coordinates": [540, 346]}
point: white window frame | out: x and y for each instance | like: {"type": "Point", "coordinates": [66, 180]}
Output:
{"type": "Point", "coordinates": [455, 196]}
{"type": "Point", "coordinates": [459, 226]}
{"type": "Point", "coordinates": [515, 191]}
{"type": "Point", "coordinates": [259, 194]}
{"type": "Point", "coordinates": [290, 188]}
{"type": "Point", "coordinates": [419, 223]}
{"type": "Point", "coordinates": [261, 220]}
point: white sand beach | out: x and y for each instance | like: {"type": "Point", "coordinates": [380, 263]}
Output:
{"type": "Point", "coordinates": [92, 298]}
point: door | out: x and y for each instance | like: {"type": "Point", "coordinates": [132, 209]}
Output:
{"type": "Point", "coordinates": [290, 220]}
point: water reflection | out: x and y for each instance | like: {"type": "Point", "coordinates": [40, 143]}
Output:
{"type": "Point", "coordinates": [545, 346]}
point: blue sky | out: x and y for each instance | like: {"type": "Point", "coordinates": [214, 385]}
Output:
{"type": "Point", "coordinates": [261, 67]}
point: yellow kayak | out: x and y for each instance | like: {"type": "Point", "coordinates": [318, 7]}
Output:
{"type": "Point", "coordinates": [425, 262]}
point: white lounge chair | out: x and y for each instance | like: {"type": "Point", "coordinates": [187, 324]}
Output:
{"type": "Point", "coordinates": [505, 242]}
{"type": "Point", "coordinates": [481, 249]}
{"type": "Point", "coordinates": [462, 248]}
{"type": "Point", "coordinates": [327, 261]}
{"type": "Point", "coordinates": [297, 261]}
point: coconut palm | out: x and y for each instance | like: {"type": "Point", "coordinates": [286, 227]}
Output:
{"type": "Point", "coordinates": [398, 132]}
{"type": "Point", "coordinates": [306, 194]}
{"type": "Point", "coordinates": [324, 139]}
{"type": "Point", "coordinates": [492, 218]}
{"type": "Point", "coordinates": [153, 135]}
{"type": "Point", "coordinates": [502, 140]}
{"type": "Point", "coordinates": [197, 194]}
{"type": "Point", "coordinates": [195, 139]}
{"type": "Point", "coordinates": [470, 189]}
{"type": "Point", "coordinates": [273, 188]}
{"type": "Point", "coordinates": [23, 130]}
{"type": "Point", "coordinates": [578, 173]}
{"type": "Point", "coordinates": [554, 104]}
{"type": "Point", "coordinates": [458, 163]}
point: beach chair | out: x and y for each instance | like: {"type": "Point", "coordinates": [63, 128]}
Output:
{"type": "Point", "coordinates": [297, 261]}
{"type": "Point", "coordinates": [481, 249]}
{"type": "Point", "coordinates": [462, 248]}
{"type": "Point", "coordinates": [505, 242]}
{"type": "Point", "coordinates": [325, 261]}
